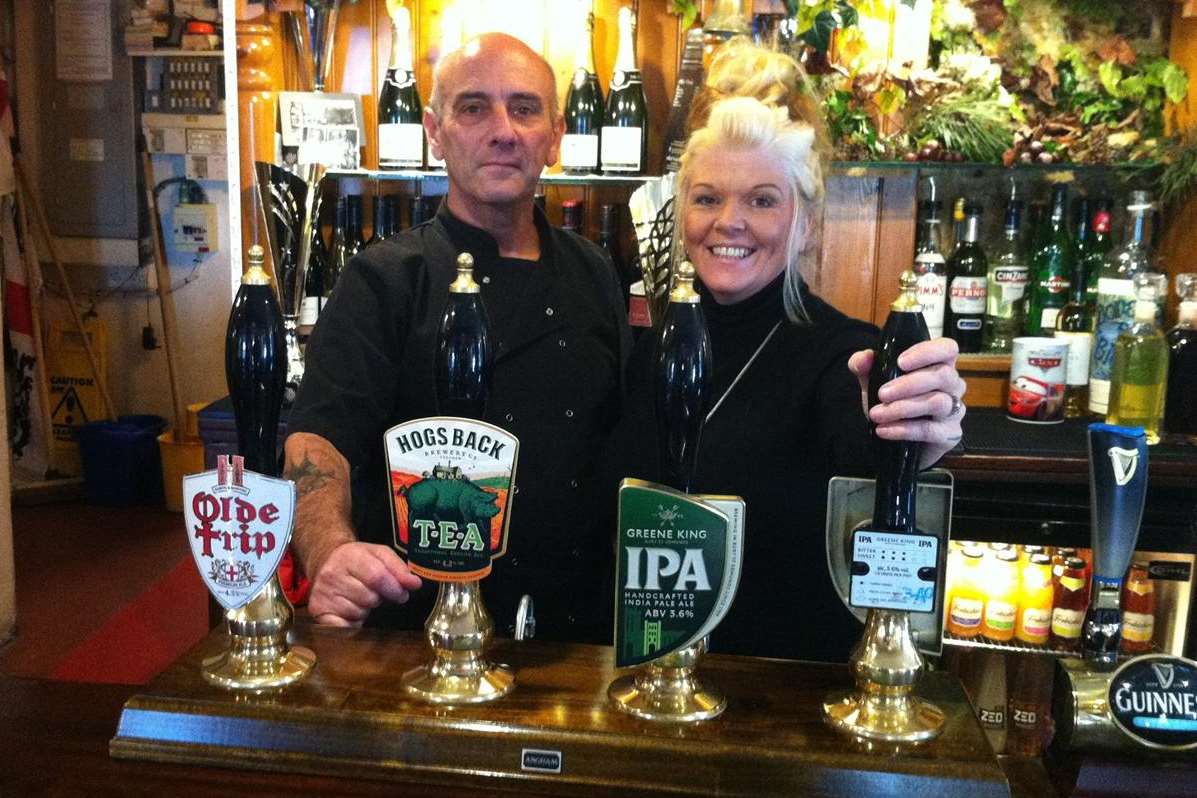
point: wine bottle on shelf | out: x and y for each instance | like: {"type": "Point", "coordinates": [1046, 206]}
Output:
{"type": "Point", "coordinates": [390, 211]}
{"type": "Point", "coordinates": [608, 239]}
{"type": "Point", "coordinates": [689, 79]}
{"type": "Point", "coordinates": [571, 215]}
{"type": "Point", "coordinates": [400, 112]}
{"type": "Point", "coordinates": [353, 224]}
{"type": "Point", "coordinates": [1139, 378]}
{"type": "Point", "coordinates": [584, 108]}
{"type": "Point", "coordinates": [313, 281]}
{"type": "Point", "coordinates": [1006, 286]}
{"type": "Point", "coordinates": [1180, 408]}
{"type": "Point", "coordinates": [930, 268]}
{"type": "Point", "coordinates": [967, 277]}
{"type": "Point", "coordinates": [464, 354]}
{"type": "Point", "coordinates": [1075, 325]}
{"type": "Point", "coordinates": [1096, 250]}
{"type": "Point", "coordinates": [624, 142]}
{"type": "Point", "coordinates": [379, 231]}
{"type": "Point", "coordinates": [1082, 228]}
{"type": "Point", "coordinates": [340, 248]}
{"type": "Point", "coordinates": [1052, 267]}
{"type": "Point", "coordinates": [255, 362]}
{"type": "Point", "coordinates": [1116, 295]}
{"type": "Point", "coordinates": [898, 461]}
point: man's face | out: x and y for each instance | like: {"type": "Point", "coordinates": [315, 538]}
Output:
{"type": "Point", "coordinates": [496, 131]}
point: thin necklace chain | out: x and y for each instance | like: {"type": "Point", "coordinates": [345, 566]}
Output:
{"type": "Point", "coordinates": [743, 370]}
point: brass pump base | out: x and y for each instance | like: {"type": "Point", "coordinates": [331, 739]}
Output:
{"type": "Point", "coordinates": [886, 664]}
{"type": "Point", "coordinates": [667, 690]}
{"type": "Point", "coordinates": [458, 630]}
{"type": "Point", "coordinates": [258, 657]}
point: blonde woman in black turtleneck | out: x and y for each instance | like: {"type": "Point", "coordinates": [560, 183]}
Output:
{"type": "Point", "coordinates": [789, 370]}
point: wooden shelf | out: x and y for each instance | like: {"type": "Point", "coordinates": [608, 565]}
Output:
{"type": "Point", "coordinates": [174, 52]}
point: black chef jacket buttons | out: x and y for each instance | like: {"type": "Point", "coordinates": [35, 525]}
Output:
{"type": "Point", "coordinates": [569, 413]}
{"type": "Point", "coordinates": [509, 417]}
{"type": "Point", "coordinates": [548, 311]}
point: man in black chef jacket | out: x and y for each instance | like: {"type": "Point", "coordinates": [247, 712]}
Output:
{"type": "Point", "coordinates": [560, 338]}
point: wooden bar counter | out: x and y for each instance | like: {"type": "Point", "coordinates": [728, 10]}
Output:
{"type": "Point", "coordinates": [349, 728]}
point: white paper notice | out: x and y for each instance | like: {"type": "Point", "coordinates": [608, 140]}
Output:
{"type": "Point", "coordinates": [83, 40]}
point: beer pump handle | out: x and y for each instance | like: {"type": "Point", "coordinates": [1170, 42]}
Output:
{"type": "Point", "coordinates": [464, 356]}
{"type": "Point", "coordinates": [681, 381]}
{"type": "Point", "coordinates": [1117, 492]}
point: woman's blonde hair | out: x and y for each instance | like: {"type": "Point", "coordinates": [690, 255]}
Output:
{"type": "Point", "coordinates": [757, 98]}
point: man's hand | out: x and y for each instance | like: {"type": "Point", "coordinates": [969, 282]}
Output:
{"type": "Point", "coordinates": [922, 405]}
{"type": "Point", "coordinates": [354, 579]}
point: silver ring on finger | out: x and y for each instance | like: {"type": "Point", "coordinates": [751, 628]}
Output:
{"type": "Point", "coordinates": [956, 405]}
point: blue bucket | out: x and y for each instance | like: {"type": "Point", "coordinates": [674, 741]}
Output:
{"type": "Point", "coordinates": [121, 462]}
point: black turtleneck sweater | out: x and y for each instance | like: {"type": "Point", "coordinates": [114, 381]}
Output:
{"type": "Point", "coordinates": [792, 422]}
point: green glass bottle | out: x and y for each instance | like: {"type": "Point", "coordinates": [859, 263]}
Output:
{"type": "Point", "coordinates": [1096, 249]}
{"type": "Point", "coordinates": [1052, 267]}
{"type": "Point", "coordinates": [1139, 378]}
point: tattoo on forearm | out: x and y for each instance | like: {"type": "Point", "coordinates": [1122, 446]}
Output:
{"type": "Point", "coordinates": [308, 477]}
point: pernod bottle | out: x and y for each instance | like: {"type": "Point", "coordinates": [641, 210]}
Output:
{"type": "Point", "coordinates": [930, 269]}
{"type": "Point", "coordinates": [255, 364]}
{"type": "Point", "coordinates": [400, 112]}
{"type": "Point", "coordinates": [1005, 302]}
{"type": "Point", "coordinates": [681, 381]}
{"type": "Point", "coordinates": [583, 108]}
{"type": "Point", "coordinates": [463, 354]}
{"type": "Point", "coordinates": [1180, 409]}
{"type": "Point", "coordinates": [1052, 266]}
{"type": "Point", "coordinates": [1139, 378]}
{"type": "Point", "coordinates": [967, 277]}
{"type": "Point", "coordinates": [897, 461]}
{"type": "Point", "coordinates": [624, 142]}
{"type": "Point", "coordinates": [1116, 296]}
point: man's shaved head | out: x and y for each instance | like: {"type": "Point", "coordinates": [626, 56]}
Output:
{"type": "Point", "coordinates": [485, 44]}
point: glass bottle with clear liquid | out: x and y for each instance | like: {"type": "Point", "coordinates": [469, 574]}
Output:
{"type": "Point", "coordinates": [1139, 377]}
{"type": "Point", "coordinates": [931, 268]}
{"type": "Point", "coordinates": [1009, 272]}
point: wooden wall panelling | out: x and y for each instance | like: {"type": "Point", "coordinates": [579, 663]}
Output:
{"type": "Point", "coordinates": [846, 275]}
{"type": "Point", "coordinates": [259, 70]}
{"type": "Point", "coordinates": [1180, 231]}
{"type": "Point", "coordinates": [895, 238]}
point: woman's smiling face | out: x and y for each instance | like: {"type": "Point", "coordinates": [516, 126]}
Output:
{"type": "Point", "coordinates": [736, 218]}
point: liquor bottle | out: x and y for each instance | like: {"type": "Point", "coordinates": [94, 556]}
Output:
{"type": "Point", "coordinates": [1180, 408]}
{"type": "Point", "coordinates": [1116, 296]}
{"type": "Point", "coordinates": [930, 268]}
{"type": "Point", "coordinates": [1075, 325]}
{"type": "Point", "coordinates": [1096, 250]}
{"type": "Point", "coordinates": [681, 381]}
{"type": "Point", "coordinates": [1052, 268]}
{"type": "Point", "coordinates": [625, 125]}
{"type": "Point", "coordinates": [1139, 378]}
{"type": "Point", "coordinates": [390, 211]}
{"type": "Point", "coordinates": [340, 247]}
{"type": "Point", "coordinates": [400, 112]}
{"type": "Point", "coordinates": [464, 355]}
{"type": "Point", "coordinates": [583, 108]}
{"type": "Point", "coordinates": [571, 215]}
{"type": "Point", "coordinates": [689, 79]}
{"type": "Point", "coordinates": [1082, 228]}
{"type": "Point", "coordinates": [897, 461]}
{"type": "Point", "coordinates": [957, 224]}
{"type": "Point", "coordinates": [255, 363]}
{"type": "Point", "coordinates": [353, 225]}
{"type": "Point", "coordinates": [1006, 286]}
{"type": "Point", "coordinates": [313, 281]}
{"type": "Point", "coordinates": [967, 277]}
{"type": "Point", "coordinates": [608, 239]}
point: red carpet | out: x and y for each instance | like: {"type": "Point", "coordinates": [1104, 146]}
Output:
{"type": "Point", "coordinates": [145, 635]}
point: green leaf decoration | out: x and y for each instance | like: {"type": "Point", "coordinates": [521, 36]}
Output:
{"type": "Point", "coordinates": [1176, 83]}
{"type": "Point", "coordinates": [1110, 76]}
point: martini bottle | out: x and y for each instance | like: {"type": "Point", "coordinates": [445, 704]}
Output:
{"type": "Point", "coordinates": [1051, 268]}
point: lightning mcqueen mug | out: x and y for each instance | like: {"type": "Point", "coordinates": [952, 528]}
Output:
{"type": "Point", "coordinates": [1038, 371]}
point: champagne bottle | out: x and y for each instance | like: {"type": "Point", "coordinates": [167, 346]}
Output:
{"type": "Point", "coordinates": [400, 112]}
{"type": "Point", "coordinates": [583, 108]}
{"type": "Point", "coordinates": [689, 79]}
{"type": "Point", "coordinates": [681, 381]}
{"type": "Point", "coordinates": [255, 363]}
{"type": "Point", "coordinates": [1005, 301]}
{"type": "Point", "coordinates": [1052, 266]}
{"type": "Point", "coordinates": [967, 278]}
{"type": "Point", "coordinates": [898, 461]}
{"type": "Point", "coordinates": [1139, 378]}
{"type": "Point", "coordinates": [1116, 296]}
{"type": "Point", "coordinates": [1181, 405]}
{"type": "Point", "coordinates": [930, 268]}
{"type": "Point", "coordinates": [464, 355]}
{"type": "Point", "coordinates": [625, 126]}
{"type": "Point", "coordinates": [1075, 325]}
